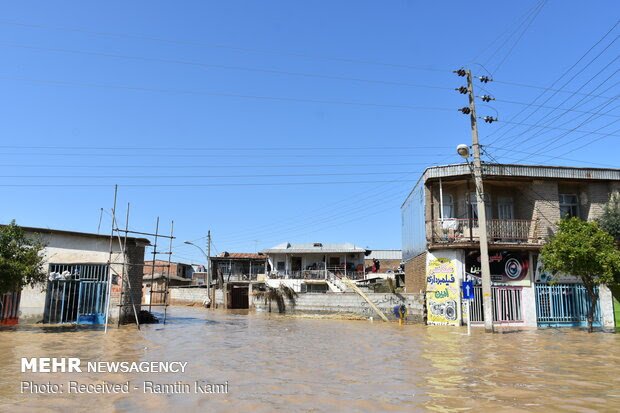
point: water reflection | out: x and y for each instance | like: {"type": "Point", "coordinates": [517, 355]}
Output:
{"type": "Point", "coordinates": [273, 362]}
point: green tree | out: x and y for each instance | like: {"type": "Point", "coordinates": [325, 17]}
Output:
{"type": "Point", "coordinates": [21, 261]}
{"type": "Point", "coordinates": [583, 249]}
{"type": "Point", "coordinates": [610, 220]}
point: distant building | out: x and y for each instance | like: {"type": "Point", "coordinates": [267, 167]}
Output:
{"type": "Point", "coordinates": [523, 205]}
{"type": "Point", "coordinates": [315, 266]}
{"type": "Point", "coordinates": [78, 278]}
{"type": "Point", "coordinates": [158, 273]}
{"type": "Point", "coordinates": [389, 260]}
{"type": "Point", "coordinates": [237, 271]}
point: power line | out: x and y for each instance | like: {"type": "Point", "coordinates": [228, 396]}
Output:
{"type": "Point", "coordinates": [201, 185]}
{"type": "Point", "coordinates": [519, 20]}
{"type": "Point", "coordinates": [537, 154]}
{"type": "Point", "coordinates": [581, 87]}
{"type": "Point", "coordinates": [566, 72]}
{"type": "Point", "coordinates": [532, 18]}
{"type": "Point", "coordinates": [234, 166]}
{"type": "Point", "coordinates": [220, 94]}
{"type": "Point", "coordinates": [207, 148]}
{"type": "Point", "coordinates": [221, 46]}
{"type": "Point", "coordinates": [549, 89]}
{"type": "Point", "coordinates": [198, 176]}
{"type": "Point", "coordinates": [225, 67]}
{"type": "Point", "coordinates": [550, 107]}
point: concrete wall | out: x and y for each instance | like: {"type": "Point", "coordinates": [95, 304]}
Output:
{"type": "Point", "coordinates": [182, 295]}
{"type": "Point", "coordinates": [353, 304]}
{"type": "Point", "coordinates": [607, 308]}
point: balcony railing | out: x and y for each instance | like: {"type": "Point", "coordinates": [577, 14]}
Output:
{"type": "Point", "coordinates": [319, 274]}
{"type": "Point", "coordinates": [453, 230]}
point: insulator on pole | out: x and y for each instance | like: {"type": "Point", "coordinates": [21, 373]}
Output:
{"type": "Point", "coordinates": [461, 72]}
{"type": "Point", "coordinates": [487, 98]}
{"type": "Point", "coordinates": [489, 119]}
{"type": "Point", "coordinates": [465, 110]}
{"type": "Point", "coordinates": [462, 90]}
{"type": "Point", "coordinates": [485, 79]}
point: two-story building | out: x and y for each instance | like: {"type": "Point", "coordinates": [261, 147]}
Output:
{"type": "Point", "coordinates": [315, 267]}
{"type": "Point", "coordinates": [523, 205]}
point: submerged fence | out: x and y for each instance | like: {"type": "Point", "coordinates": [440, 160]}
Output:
{"type": "Point", "coordinates": [564, 304]}
{"type": "Point", "coordinates": [506, 305]}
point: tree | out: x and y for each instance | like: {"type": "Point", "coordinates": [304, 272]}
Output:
{"type": "Point", "coordinates": [583, 249]}
{"type": "Point", "coordinates": [21, 261]}
{"type": "Point", "coordinates": [278, 295]}
{"type": "Point", "coordinates": [610, 220]}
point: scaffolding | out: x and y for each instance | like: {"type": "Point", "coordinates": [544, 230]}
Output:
{"type": "Point", "coordinates": [121, 235]}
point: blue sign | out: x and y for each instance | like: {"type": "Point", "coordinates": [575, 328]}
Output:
{"type": "Point", "coordinates": [468, 290]}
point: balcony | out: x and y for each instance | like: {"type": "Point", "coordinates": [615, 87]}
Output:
{"type": "Point", "coordinates": [499, 231]}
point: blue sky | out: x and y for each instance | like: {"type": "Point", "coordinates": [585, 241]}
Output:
{"type": "Point", "coordinates": [279, 121]}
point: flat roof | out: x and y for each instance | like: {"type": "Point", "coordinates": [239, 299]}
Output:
{"type": "Point", "coordinates": [518, 171]}
{"type": "Point", "coordinates": [524, 171]}
{"type": "Point", "coordinates": [314, 247]}
{"type": "Point", "coordinates": [52, 231]}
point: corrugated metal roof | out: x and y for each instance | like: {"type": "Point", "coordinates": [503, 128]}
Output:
{"type": "Point", "coordinates": [316, 247]}
{"type": "Point", "coordinates": [241, 255]}
{"type": "Point", "coordinates": [526, 171]}
{"type": "Point", "coordinates": [385, 255]}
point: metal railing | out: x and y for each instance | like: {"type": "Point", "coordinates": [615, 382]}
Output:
{"type": "Point", "coordinates": [506, 305]}
{"type": "Point", "coordinates": [76, 293]}
{"type": "Point", "coordinates": [564, 304]}
{"type": "Point", "coordinates": [318, 274]}
{"type": "Point", "coordinates": [456, 230]}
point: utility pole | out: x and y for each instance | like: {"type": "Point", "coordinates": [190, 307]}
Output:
{"type": "Point", "coordinates": [208, 259]}
{"type": "Point", "coordinates": [482, 219]}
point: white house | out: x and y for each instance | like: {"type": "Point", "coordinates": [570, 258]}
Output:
{"type": "Point", "coordinates": [314, 266]}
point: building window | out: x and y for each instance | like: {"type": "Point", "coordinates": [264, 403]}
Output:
{"type": "Point", "coordinates": [568, 205]}
{"type": "Point", "coordinates": [473, 204]}
{"type": "Point", "coordinates": [280, 266]}
{"type": "Point", "coordinates": [505, 208]}
{"type": "Point", "coordinates": [448, 206]}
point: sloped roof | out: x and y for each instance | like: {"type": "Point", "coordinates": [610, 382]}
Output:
{"type": "Point", "coordinates": [316, 247]}
{"type": "Point", "coordinates": [241, 255]}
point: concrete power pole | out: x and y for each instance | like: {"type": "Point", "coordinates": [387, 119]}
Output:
{"type": "Point", "coordinates": [482, 219]}
{"type": "Point", "coordinates": [209, 259]}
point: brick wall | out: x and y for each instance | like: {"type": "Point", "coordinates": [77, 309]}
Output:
{"type": "Point", "coordinates": [415, 274]}
{"type": "Point", "coordinates": [593, 200]}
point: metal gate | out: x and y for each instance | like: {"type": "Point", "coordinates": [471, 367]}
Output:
{"type": "Point", "coordinates": [506, 305]}
{"type": "Point", "coordinates": [9, 308]}
{"type": "Point", "coordinates": [76, 293]}
{"type": "Point", "coordinates": [564, 305]}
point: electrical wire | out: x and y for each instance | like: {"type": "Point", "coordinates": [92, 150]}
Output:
{"type": "Point", "coordinates": [220, 94]}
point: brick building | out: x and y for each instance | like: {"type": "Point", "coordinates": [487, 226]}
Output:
{"type": "Point", "coordinates": [523, 205]}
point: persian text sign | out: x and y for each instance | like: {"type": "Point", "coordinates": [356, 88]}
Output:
{"type": "Point", "coordinates": [442, 293]}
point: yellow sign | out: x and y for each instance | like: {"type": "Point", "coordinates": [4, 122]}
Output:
{"type": "Point", "coordinates": [442, 293]}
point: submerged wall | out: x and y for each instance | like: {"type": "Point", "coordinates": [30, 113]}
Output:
{"type": "Point", "coordinates": [352, 304]}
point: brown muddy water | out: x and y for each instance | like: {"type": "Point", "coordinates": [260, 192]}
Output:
{"type": "Point", "coordinates": [277, 363]}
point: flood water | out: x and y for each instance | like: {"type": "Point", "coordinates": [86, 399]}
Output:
{"type": "Point", "coordinates": [277, 363]}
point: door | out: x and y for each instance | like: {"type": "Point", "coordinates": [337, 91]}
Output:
{"type": "Point", "coordinates": [91, 302]}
